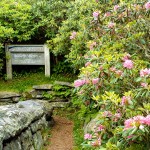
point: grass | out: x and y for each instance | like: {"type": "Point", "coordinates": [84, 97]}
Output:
{"type": "Point", "coordinates": [24, 82]}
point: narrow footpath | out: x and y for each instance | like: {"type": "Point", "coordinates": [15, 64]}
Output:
{"type": "Point", "coordinates": [61, 134]}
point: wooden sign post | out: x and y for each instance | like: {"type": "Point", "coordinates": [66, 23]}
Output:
{"type": "Point", "coordinates": [27, 55]}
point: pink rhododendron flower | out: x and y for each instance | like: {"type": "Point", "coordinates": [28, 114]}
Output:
{"type": "Point", "coordinates": [147, 6]}
{"type": "Point", "coordinates": [147, 120]}
{"type": "Point", "coordinates": [116, 7]}
{"type": "Point", "coordinates": [126, 57]}
{"type": "Point", "coordinates": [95, 15]}
{"type": "Point", "coordinates": [107, 114]}
{"type": "Point", "coordinates": [112, 69]}
{"type": "Point", "coordinates": [92, 45]}
{"type": "Point", "coordinates": [144, 85]}
{"type": "Point", "coordinates": [100, 128]}
{"type": "Point", "coordinates": [137, 121]}
{"type": "Point", "coordinates": [87, 64]}
{"type": "Point", "coordinates": [88, 136]}
{"type": "Point", "coordinates": [101, 68]}
{"type": "Point", "coordinates": [96, 143]}
{"type": "Point", "coordinates": [107, 14]}
{"type": "Point", "coordinates": [144, 72]}
{"type": "Point", "coordinates": [73, 35]}
{"type": "Point", "coordinates": [125, 100]}
{"type": "Point", "coordinates": [128, 64]}
{"type": "Point", "coordinates": [119, 72]}
{"type": "Point", "coordinates": [79, 82]}
{"type": "Point", "coordinates": [117, 116]}
{"type": "Point", "coordinates": [128, 123]}
{"type": "Point", "coordinates": [95, 81]}
{"type": "Point", "coordinates": [111, 25]}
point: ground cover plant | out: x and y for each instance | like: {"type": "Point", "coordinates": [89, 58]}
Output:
{"type": "Point", "coordinates": [115, 81]}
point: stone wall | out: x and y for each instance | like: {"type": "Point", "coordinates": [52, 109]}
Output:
{"type": "Point", "coordinates": [22, 124]}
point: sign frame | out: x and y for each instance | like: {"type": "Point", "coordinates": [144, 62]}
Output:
{"type": "Point", "coordinates": [40, 54]}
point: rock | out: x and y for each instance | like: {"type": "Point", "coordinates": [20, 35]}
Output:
{"type": "Point", "coordinates": [91, 125]}
{"type": "Point", "coordinates": [17, 117]}
{"type": "Point", "coordinates": [37, 140]}
{"type": "Point", "coordinates": [38, 125]}
{"type": "Point", "coordinates": [59, 104]}
{"type": "Point", "coordinates": [64, 83]}
{"type": "Point", "coordinates": [26, 140]}
{"type": "Point", "coordinates": [8, 95]}
{"type": "Point", "coordinates": [43, 87]}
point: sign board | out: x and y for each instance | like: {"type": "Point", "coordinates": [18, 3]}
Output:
{"type": "Point", "coordinates": [27, 55]}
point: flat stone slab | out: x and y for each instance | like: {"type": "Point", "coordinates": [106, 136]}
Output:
{"type": "Point", "coordinates": [5, 94]}
{"type": "Point", "coordinates": [64, 83]}
{"type": "Point", "coordinates": [17, 117]}
{"type": "Point", "coordinates": [43, 87]}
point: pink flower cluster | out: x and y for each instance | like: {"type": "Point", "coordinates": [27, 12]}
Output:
{"type": "Point", "coordinates": [127, 62]}
{"type": "Point", "coordinates": [79, 83]}
{"type": "Point", "coordinates": [111, 25]}
{"type": "Point", "coordinates": [107, 14]}
{"type": "Point", "coordinates": [92, 45]}
{"type": "Point", "coordinates": [125, 100]}
{"type": "Point", "coordinates": [144, 84]}
{"type": "Point", "coordinates": [107, 114]}
{"type": "Point", "coordinates": [95, 15]}
{"type": "Point", "coordinates": [100, 128]}
{"type": "Point", "coordinates": [144, 72]}
{"type": "Point", "coordinates": [137, 121]}
{"type": "Point", "coordinates": [95, 81]}
{"type": "Point", "coordinates": [88, 136]}
{"type": "Point", "coordinates": [147, 6]}
{"type": "Point", "coordinates": [87, 64]}
{"type": "Point", "coordinates": [116, 7]}
{"type": "Point", "coordinates": [73, 35]}
{"type": "Point", "coordinates": [117, 116]}
{"type": "Point", "coordinates": [118, 72]}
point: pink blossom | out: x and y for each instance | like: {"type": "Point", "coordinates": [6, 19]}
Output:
{"type": "Point", "coordinates": [107, 114]}
{"type": "Point", "coordinates": [147, 120]}
{"type": "Point", "coordinates": [144, 72]}
{"type": "Point", "coordinates": [112, 69]}
{"type": "Point", "coordinates": [144, 84]}
{"type": "Point", "coordinates": [128, 123]}
{"type": "Point", "coordinates": [147, 6]}
{"type": "Point", "coordinates": [87, 64]}
{"type": "Point", "coordinates": [125, 100]}
{"type": "Point", "coordinates": [88, 136]}
{"type": "Point", "coordinates": [126, 57]}
{"type": "Point", "coordinates": [119, 72]}
{"type": "Point", "coordinates": [107, 14]}
{"type": "Point", "coordinates": [95, 81]}
{"type": "Point", "coordinates": [96, 143]}
{"type": "Point", "coordinates": [95, 15]}
{"type": "Point", "coordinates": [111, 25]}
{"type": "Point", "coordinates": [137, 121]}
{"type": "Point", "coordinates": [73, 35]}
{"type": "Point", "coordinates": [100, 128]}
{"type": "Point", "coordinates": [116, 7]}
{"type": "Point", "coordinates": [92, 45]}
{"type": "Point", "coordinates": [79, 83]}
{"type": "Point", "coordinates": [101, 68]}
{"type": "Point", "coordinates": [128, 64]}
{"type": "Point", "coordinates": [117, 116]}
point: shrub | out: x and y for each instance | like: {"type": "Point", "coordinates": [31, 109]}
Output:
{"type": "Point", "coordinates": [115, 79]}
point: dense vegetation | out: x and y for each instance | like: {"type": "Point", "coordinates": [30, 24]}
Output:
{"type": "Point", "coordinates": [108, 42]}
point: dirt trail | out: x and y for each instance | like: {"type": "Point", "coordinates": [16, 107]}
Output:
{"type": "Point", "coordinates": [62, 134]}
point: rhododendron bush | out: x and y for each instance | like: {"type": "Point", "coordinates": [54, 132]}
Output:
{"type": "Point", "coordinates": [115, 79]}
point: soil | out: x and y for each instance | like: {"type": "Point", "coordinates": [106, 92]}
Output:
{"type": "Point", "coordinates": [61, 134]}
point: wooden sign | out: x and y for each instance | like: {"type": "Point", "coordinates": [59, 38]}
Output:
{"type": "Point", "coordinates": [27, 55]}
